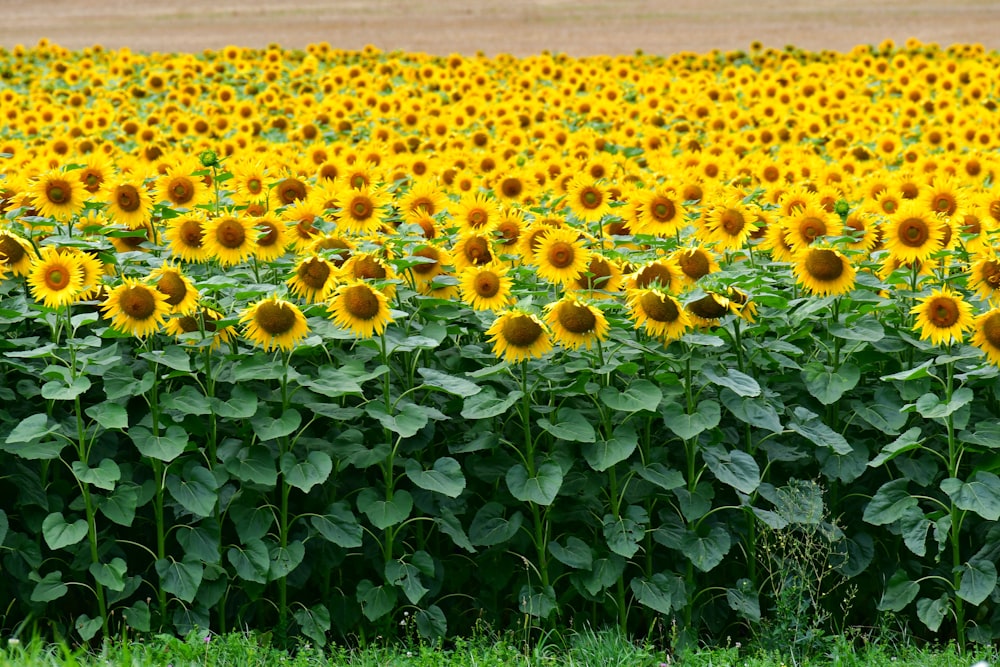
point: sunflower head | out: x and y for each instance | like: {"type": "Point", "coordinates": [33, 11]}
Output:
{"type": "Point", "coordinates": [943, 317]}
{"type": "Point", "coordinates": [518, 336]}
{"type": "Point", "coordinates": [824, 271]}
{"type": "Point", "coordinates": [136, 308]}
{"type": "Point", "coordinates": [360, 308]}
{"type": "Point", "coordinates": [575, 323]}
{"type": "Point", "coordinates": [274, 323]}
{"type": "Point", "coordinates": [986, 335]}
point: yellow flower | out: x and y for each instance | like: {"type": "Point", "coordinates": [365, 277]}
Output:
{"type": "Point", "coordinates": [274, 323]}
{"type": "Point", "coordinates": [229, 238]}
{"type": "Point", "coordinates": [943, 317]}
{"type": "Point", "coordinates": [587, 198]}
{"type": "Point", "coordinates": [575, 323]}
{"type": "Point", "coordinates": [15, 253]}
{"type": "Point", "coordinates": [128, 201]}
{"type": "Point", "coordinates": [136, 308]}
{"type": "Point", "coordinates": [912, 234]}
{"type": "Point", "coordinates": [659, 313]}
{"type": "Point", "coordinates": [986, 335]}
{"type": "Point", "coordinates": [486, 287]}
{"type": "Point", "coordinates": [57, 195]}
{"type": "Point", "coordinates": [360, 308]}
{"type": "Point", "coordinates": [660, 212]}
{"type": "Point", "coordinates": [727, 223]}
{"type": "Point", "coordinates": [518, 336]}
{"type": "Point", "coordinates": [824, 271]}
{"type": "Point", "coordinates": [476, 213]}
{"type": "Point", "coordinates": [203, 322]}
{"type": "Point", "coordinates": [561, 256]}
{"type": "Point", "coordinates": [182, 297]}
{"type": "Point", "coordinates": [314, 279]}
{"type": "Point", "coordinates": [180, 188]}
{"type": "Point", "coordinates": [55, 278]}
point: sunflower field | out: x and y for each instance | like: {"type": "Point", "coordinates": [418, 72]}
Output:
{"type": "Point", "coordinates": [354, 344]}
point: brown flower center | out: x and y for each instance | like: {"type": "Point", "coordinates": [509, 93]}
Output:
{"type": "Point", "coordinates": [11, 250]}
{"type": "Point", "coordinates": [914, 232]}
{"type": "Point", "coordinates": [654, 274]}
{"type": "Point", "coordinates": [425, 268]}
{"type": "Point", "coordinates": [127, 198]}
{"type": "Point", "coordinates": [361, 208]}
{"type": "Point", "coordinates": [137, 302]}
{"type": "Point", "coordinates": [254, 186]}
{"type": "Point", "coordinates": [942, 312]}
{"type": "Point", "coordinates": [180, 190]}
{"type": "Point", "coordinates": [274, 318]}
{"type": "Point", "coordinates": [561, 254]}
{"type": "Point", "coordinates": [57, 278]}
{"type": "Point", "coordinates": [576, 318]}
{"type": "Point", "coordinates": [361, 302]}
{"type": "Point", "coordinates": [172, 284]}
{"type": "Point", "coordinates": [991, 330]}
{"type": "Point", "coordinates": [694, 263]}
{"type": "Point", "coordinates": [314, 273]}
{"type": "Point", "coordinates": [662, 209]}
{"type": "Point", "coordinates": [708, 307]}
{"type": "Point", "coordinates": [477, 217]}
{"type": "Point", "coordinates": [190, 233]}
{"type": "Point", "coordinates": [732, 222]}
{"type": "Point", "coordinates": [268, 233]}
{"type": "Point", "coordinates": [521, 331]}
{"type": "Point", "coordinates": [509, 232]}
{"type": "Point", "coordinates": [824, 265]}
{"type": "Point", "coordinates": [486, 284]}
{"type": "Point", "coordinates": [91, 179]}
{"type": "Point", "coordinates": [591, 198]}
{"type": "Point", "coordinates": [945, 203]}
{"type": "Point", "coordinates": [597, 274]}
{"type": "Point", "coordinates": [810, 228]}
{"type": "Point", "coordinates": [291, 190]}
{"type": "Point", "coordinates": [230, 233]}
{"type": "Point", "coordinates": [511, 187]}
{"type": "Point", "coordinates": [477, 250]}
{"type": "Point", "coordinates": [658, 307]}
{"type": "Point", "coordinates": [58, 191]}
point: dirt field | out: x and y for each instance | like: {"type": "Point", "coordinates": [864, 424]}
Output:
{"type": "Point", "coordinates": [519, 27]}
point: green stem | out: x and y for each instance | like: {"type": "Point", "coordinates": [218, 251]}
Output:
{"type": "Point", "coordinates": [91, 512]}
{"type": "Point", "coordinates": [954, 461]}
{"type": "Point", "coordinates": [529, 462]}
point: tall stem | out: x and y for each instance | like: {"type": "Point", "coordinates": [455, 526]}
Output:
{"type": "Point", "coordinates": [954, 462]}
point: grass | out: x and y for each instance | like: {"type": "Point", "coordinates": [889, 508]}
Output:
{"type": "Point", "coordinates": [577, 649]}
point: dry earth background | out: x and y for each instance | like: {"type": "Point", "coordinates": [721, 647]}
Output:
{"type": "Point", "coordinates": [518, 27]}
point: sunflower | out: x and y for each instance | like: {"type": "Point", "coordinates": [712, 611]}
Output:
{"type": "Point", "coordinates": [136, 308]}
{"type": "Point", "coordinates": [249, 179]}
{"type": "Point", "coordinates": [588, 198]}
{"type": "Point", "coordinates": [128, 201]}
{"type": "Point", "coordinates": [862, 227]}
{"type": "Point", "coordinates": [424, 198]}
{"type": "Point", "coordinates": [476, 213]}
{"type": "Point", "coordinates": [274, 323]}
{"type": "Point", "coordinates": [431, 262]}
{"type": "Point", "coordinates": [808, 223]}
{"type": "Point", "coordinates": [486, 287]}
{"type": "Point", "coordinates": [942, 317]}
{"type": "Point", "coordinates": [289, 190]}
{"type": "Point", "coordinates": [984, 276]}
{"type": "Point", "coordinates": [271, 238]}
{"type": "Point", "coordinates": [55, 278]}
{"type": "Point", "coordinates": [659, 313]}
{"type": "Point", "coordinates": [91, 270]}
{"type": "Point", "coordinates": [912, 233]}
{"type": "Point", "coordinates": [601, 275]}
{"type": "Point", "coordinates": [186, 235]}
{"type": "Point", "coordinates": [741, 304]}
{"type": "Point", "coordinates": [663, 274]}
{"type": "Point", "coordinates": [56, 195]}
{"type": "Point", "coordinates": [943, 196]}
{"type": "Point", "coordinates": [179, 187]}
{"type": "Point", "coordinates": [472, 250]}
{"type": "Point", "coordinates": [334, 247]}
{"type": "Point", "coordinates": [575, 323]}
{"type": "Point", "coordinates": [706, 311]}
{"type": "Point", "coordinates": [229, 238]}
{"type": "Point", "coordinates": [182, 297]}
{"type": "Point", "coordinates": [824, 271]}
{"type": "Point", "coordinates": [313, 279]}
{"type": "Point", "coordinates": [361, 210]}
{"type": "Point", "coordinates": [561, 256]}
{"type": "Point", "coordinates": [304, 218]}
{"type": "Point", "coordinates": [660, 212]}
{"type": "Point", "coordinates": [695, 263]}
{"type": "Point", "coordinates": [509, 227]}
{"type": "Point", "coordinates": [96, 170]}
{"type": "Point", "coordinates": [15, 253]}
{"type": "Point", "coordinates": [203, 322]}
{"type": "Point", "coordinates": [727, 223]}
{"type": "Point", "coordinates": [360, 308]}
{"type": "Point", "coordinates": [518, 336]}
{"type": "Point", "coordinates": [986, 335]}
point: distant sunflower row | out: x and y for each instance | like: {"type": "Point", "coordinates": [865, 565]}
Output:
{"type": "Point", "coordinates": [570, 198]}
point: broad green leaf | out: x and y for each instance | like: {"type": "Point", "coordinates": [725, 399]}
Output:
{"type": "Point", "coordinates": [979, 579]}
{"type": "Point", "coordinates": [540, 488]}
{"type": "Point", "coordinates": [242, 404]}
{"type": "Point", "coordinates": [899, 592]}
{"type": "Point", "coordinates": [187, 400]}
{"type": "Point", "coordinates": [981, 494]}
{"type": "Point", "coordinates": [883, 412]}
{"type": "Point", "coordinates": [405, 423]}
{"type": "Point", "coordinates": [110, 575]}
{"type": "Point", "coordinates": [4, 526]}
{"type": "Point", "coordinates": [332, 383]}
{"type": "Point", "coordinates": [58, 533]}
{"type": "Point", "coordinates": [695, 505]}
{"type": "Point", "coordinates": [375, 601]}
{"type": "Point", "coordinates": [304, 475]}
{"type": "Point", "coordinates": [487, 404]}
{"type": "Point", "coordinates": [660, 475]}
{"type": "Point", "coordinates": [864, 329]}
{"type": "Point", "coordinates": [640, 395]}
{"type": "Point", "coordinates": [907, 441]}
{"type": "Point", "coordinates": [431, 623]}
{"type": "Point", "coordinates": [339, 525]}
{"type": "Point", "coordinates": [987, 434]}
{"type": "Point", "coordinates": [735, 468]}
{"type": "Point", "coordinates": [913, 526]}
{"type": "Point", "coordinates": [120, 506]}
{"type": "Point", "coordinates": [283, 560]}
{"type": "Point", "coordinates": [915, 373]}
{"type": "Point", "coordinates": [688, 426]}
{"type": "Point", "coordinates": [202, 542]}
{"type": "Point", "coordinates": [623, 533]}
{"type": "Point", "coordinates": [60, 390]}
{"type": "Point", "coordinates": [87, 627]}
{"type": "Point", "coordinates": [853, 554]}
{"type": "Point", "coordinates": [252, 522]}
{"type": "Point", "coordinates": [110, 416]}
{"type": "Point", "coordinates": [754, 411]}
{"type": "Point", "coordinates": [932, 612]}
{"type": "Point", "coordinates": [173, 357]}
{"type": "Point", "coordinates": [49, 588]}
{"type": "Point", "coordinates": [32, 429]}
{"type": "Point", "coordinates": [818, 433]}
{"type": "Point", "coordinates": [253, 464]}
{"type": "Point", "coordinates": [827, 385]}
{"type": "Point", "coordinates": [119, 383]}
{"type": "Point", "coordinates": [137, 616]}
{"type": "Point", "coordinates": [744, 600]}
{"type": "Point", "coordinates": [166, 447]}
{"type": "Point", "coordinates": [267, 428]}
{"type": "Point", "coordinates": [536, 601]}
{"type": "Point", "coordinates": [195, 491]}
{"type": "Point", "coordinates": [706, 551]}
{"type": "Point", "coordinates": [659, 592]}
{"type": "Point", "coordinates": [490, 527]}
{"type": "Point", "coordinates": [180, 578]}
{"type": "Point", "coordinates": [931, 406]}
{"type": "Point", "coordinates": [445, 477]}
{"type": "Point", "coordinates": [889, 503]}
{"type": "Point", "coordinates": [569, 424]}
{"type": "Point", "coordinates": [407, 577]}
{"type": "Point", "coordinates": [103, 476]}
{"type": "Point", "coordinates": [732, 379]}
{"type": "Point", "coordinates": [449, 383]}
{"type": "Point", "coordinates": [576, 554]}
{"type": "Point", "coordinates": [250, 560]}
{"type": "Point", "coordinates": [383, 513]}
{"type": "Point", "coordinates": [314, 622]}
{"type": "Point", "coordinates": [604, 574]}
{"type": "Point", "coordinates": [603, 454]}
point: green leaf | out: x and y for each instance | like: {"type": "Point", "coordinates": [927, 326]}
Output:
{"type": "Point", "coordinates": [915, 373]}
{"type": "Point", "coordinates": [744, 600]}
{"type": "Point", "coordinates": [120, 506]}
{"type": "Point", "coordinates": [569, 425]}
{"type": "Point", "coordinates": [930, 405]}
{"type": "Point", "coordinates": [659, 592]}
{"type": "Point", "coordinates": [576, 554]}
{"type": "Point", "coordinates": [58, 533]}
{"type": "Point", "coordinates": [883, 412]}
{"type": "Point", "coordinates": [383, 513]}
{"type": "Point", "coordinates": [196, 491]}
{"type": "Point", "coordinates": [49, 588]}
{"type": "Point", "coordinates": [110, 575]}
{"type": "Point", "coordinates": [449, 383]}
{"type": "Point", "coordinates": [272, 429]}
{"type": "Point", "coordinates": [695, 505]}
{"type": "Point", "coordinates": [431, 623]}
{"type": "Point", "coordinates": [60, 390]}
{"type": "Point", "coordinates": [4, 526]}
{"type": "Point", "coordinates": [864, 329]}
{"type": "Point", "coordinates": [623, 533]}
{"type": "Point", "coordinates": [981, 494]}
{"type": "Point", "coordinates": [899, 592]}
{"type": "Point", "coordinates": [640, 395]}
{"type": "Point", "coordinates": [304, 475]}
{"type": "Point", "coordinates": [406, 423]}
{"type": "Point", "coordinates": [166, 447]}
{"type": "Point", "coordinates": [490, 527]}
{"type": "Point", "coordinates": [187, 400]}
{"type": "Point", "coordinates": [180, 578]}
{"type": "Point", "coordinates": [119, 382]}
{"type": "Point", "coordinates": [250, 561]}
{"type": "Point", "coordinates": [603, 454]}
{"type": "Point", "coordinates": [339, 525]}
{"type": "Point", "coordinates": [826, 385]}
{"type": "Point", "coordinates": [605, 573]}
{"type": "Point", "coordinates": [907, 441]}
{"type": "Point", "coordinates": [407, 577]}
{"type": "Point", "coordinates": [688, 426]}
{"type": "Point", "coordinates": [536, 601]}
{"type": "Point", "coordinates": [173, 357]}
{"type": "Point", "coordinates": [32, 429]}
{"type": "Point", "coordinates": [254, 465]}
{"type": "Point", "coordinates": [445, 477]}
{"type": "Point", "coordinates": [283, 560]}
{"type": "Point", "coordinates": [660, 475]}
{"type": "Point", "coordinates": [252, 522]}
{"type": "Point", "coordinates": [708, 551]}
{"type": "Point", "coordinates": [137, 616]}
{"type": "Point", "coordinates": [979, 579]}
{"type": "Point", "coordinates": [932, 612]}
{"type": "Point", "coordinates": [242, 404]}
{"type": "Point", "coordinates": [315, 622]}
{"type": "Point", "coordinates": [818, 433]}
{"type": "Point", "coordinates": [541, 489]}
{"type": "Point", "coordinates": [375, 601]}
{"type": "Point", "coordinates": [889, 503]}
{"type": "Point", "coordinates": [736, 468]}
{"type": "Point", "coordinates": [487, 404]}
{"type": "Point", "coordinates": [201, 542]}
{"type": "Point", "coordinates": [739, 383]}
{"type": "Point", "coordinates": [103, 476]}
{"type": "Point", "coordinates": [110, 416]}
{"type": "Point", "coordinates": [753, 411]}
{"type": "Point", "coordinates": [87, 627]}
{"type": "Point", "coordinates": [332, 383]}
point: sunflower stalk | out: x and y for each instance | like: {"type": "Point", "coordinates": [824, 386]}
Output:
{"type": "Point", "coordinates": [538, 515]}
{"type": "Point", "coordinates": [954, 462]}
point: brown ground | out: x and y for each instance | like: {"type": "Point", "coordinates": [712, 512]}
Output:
{"type": "Point", "coordinates": [519, 27]}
